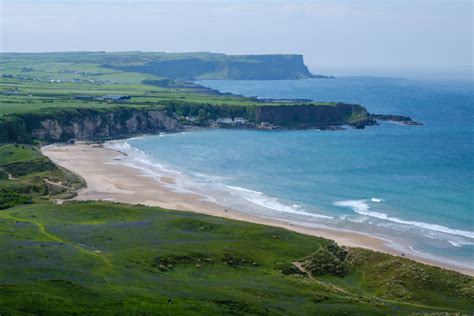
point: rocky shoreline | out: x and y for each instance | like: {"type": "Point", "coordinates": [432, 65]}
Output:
{"type": "Point", "coordinates": [122, 122]}
{"type": "Point", "coordinates": [404, 120]}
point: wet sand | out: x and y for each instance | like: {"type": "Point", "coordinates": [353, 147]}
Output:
{"type": "Point", "coordinates": [109, 181]}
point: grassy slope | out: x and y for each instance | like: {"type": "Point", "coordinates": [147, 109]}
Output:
{"type": "Point", "coordinates": [96, 256]}
{"type": "Point", "coordinates": [22, 172]}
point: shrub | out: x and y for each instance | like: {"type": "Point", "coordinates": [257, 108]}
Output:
{"type": "Point", "coordinates": [329, 259]}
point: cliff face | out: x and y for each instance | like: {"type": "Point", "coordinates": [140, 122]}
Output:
{"type": "Point", "coordinates": [262, 67]}
{"type": "Point", "coordinates": [314, 116]}
{"type": "Point", "coordinates": [62, 125]}
{"type": "Point", "coordinates": [87, 124]}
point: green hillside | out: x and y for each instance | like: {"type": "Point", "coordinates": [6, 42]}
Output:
{"type": "Point", "coordinates": [109, 258]}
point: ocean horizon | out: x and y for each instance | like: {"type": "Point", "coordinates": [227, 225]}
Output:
{"type": "Point", "coordinates": [410, 186]}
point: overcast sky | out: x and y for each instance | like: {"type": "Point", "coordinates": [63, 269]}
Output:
{"type": "Point", "coordinates": [370, 34]}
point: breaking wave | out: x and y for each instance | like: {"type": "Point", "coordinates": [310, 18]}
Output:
{"type": "Point", "coordinates": [260, 199]}
{"type": "Point", "coordinates": [361, 207]}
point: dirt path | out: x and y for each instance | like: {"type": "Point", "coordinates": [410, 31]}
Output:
{"type": "Point", "coordinates": [330, 286]}
{"type": "Point", "coordinates": [57, 184]}
{"type": "Point", "coordinates": [43, 231]}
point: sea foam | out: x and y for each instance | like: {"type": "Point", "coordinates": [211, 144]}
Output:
{"type": "Point", "coordinates": [361, 207]}
{"type": "Point", "coordinates": [271, 203]}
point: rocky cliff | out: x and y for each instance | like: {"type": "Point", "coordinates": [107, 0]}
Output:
{"type": "Point", "coordinates": [220, 66]}
{"type": "Point", "coordinates": [314, 116]}
{"type": "Point", "coordinates": [119, 122]}
{"type": "Point", "coordinates": [85, 124]}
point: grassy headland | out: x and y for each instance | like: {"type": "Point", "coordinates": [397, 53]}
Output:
{"type": "Point", "coordinates": [180, 66]}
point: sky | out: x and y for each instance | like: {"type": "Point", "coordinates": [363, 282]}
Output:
{"type": "Point", "coordinates": [333, 36]}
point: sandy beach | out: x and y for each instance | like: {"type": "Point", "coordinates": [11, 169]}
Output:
{"type": "Point", "coordinates": [109, 181]}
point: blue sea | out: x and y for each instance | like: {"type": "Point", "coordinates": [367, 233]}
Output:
{"type": "Point", "coordinates": [413, 186]}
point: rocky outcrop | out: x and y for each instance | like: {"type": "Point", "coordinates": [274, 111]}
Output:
{"type": "Point", "coordinates": [302, 116]}
{"type": "Point", "coordinates": [405, 120]}
{"type": "Point", "coordinates": [91, 124]}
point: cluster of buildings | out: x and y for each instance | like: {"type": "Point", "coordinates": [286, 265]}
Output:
{"type": "Point", "coordinates": [12, 92]}
{"type": "Point", "coordinates": [220, 121]}
{"type": "Point", "coordinates": [110, 98]}
{"type": "Point", "coordinates": [26, 77]}
{"type": "Point", "coordinates": [82, 73]}
{"type": "Point", "coordinates": [236, 121]}
{"type": "Point", "coordinates": [80, 81]}
{"type": "Point", "coordinates": [232, 121]}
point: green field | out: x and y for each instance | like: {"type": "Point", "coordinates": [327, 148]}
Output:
{"type": "Point", "coordinates": [106, 258]}
{"type": "Point", "coordinates": [20, 96]}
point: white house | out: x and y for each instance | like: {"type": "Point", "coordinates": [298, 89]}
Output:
{"type": "Point", "coordinates": [192, 118]}
{"type": "Point", "coordinates": [240, 120]}
{"type": "Point", "coordinates": [225, 120]}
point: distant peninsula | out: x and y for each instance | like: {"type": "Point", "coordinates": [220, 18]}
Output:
{"type": "Point", "coordinates": [189, 66]}
{"type": "Point", "coordinates": [220, 66]}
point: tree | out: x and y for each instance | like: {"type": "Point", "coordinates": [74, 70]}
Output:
{"type": "Point", "coordinates": [202, 114]}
